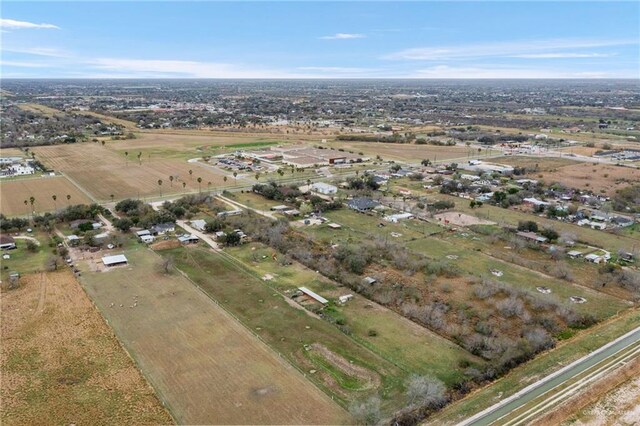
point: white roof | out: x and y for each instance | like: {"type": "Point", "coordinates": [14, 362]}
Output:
{"type": "Point", "coordinates": [198, 224]}
{"type": "Point", "coordinates": [115, 259]}
{"type": "Point", "coordinates": [73, 237]}
{"type": "Point", "coordinates": [322, 185]}
{"type": "Point", "coordinates": [313, 295]}
{"type": "Point", "coordinates": [143, 232]}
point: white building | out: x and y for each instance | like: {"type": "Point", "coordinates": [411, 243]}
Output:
{"type": "Point", "coordinates": [324, 188]}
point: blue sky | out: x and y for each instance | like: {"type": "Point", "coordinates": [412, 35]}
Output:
{"type": "Point", "coordinates": [320, 39]}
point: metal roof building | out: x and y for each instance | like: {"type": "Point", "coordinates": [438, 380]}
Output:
{"type": "Point", "coordinates": [117, 259]}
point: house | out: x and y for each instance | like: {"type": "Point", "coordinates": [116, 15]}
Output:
{"type": "Point", "coordinates": [7, 242]}
{"type": "Point", "coordinates": [229, 213]}
{"type": "Point", "coordinates": [219, 234]}
{"type": "Point", "coordinates": [532, 236]}
{"type": "Point", "coordinates": [574, 254]}
{"type": "Point", "coordinates": [594, 258]}
{"type": "Point", "coordinates": [188, 239]}
{"type": "Point", "coordinates": [73, 240]}
{"type": "Point", "coordinates": [395, 218]}
{"type": "Point", "coordinates": [534, 202]}
{"type": "Point", "coordinates": [627, 257]}
{"type": "Point", "coordinates": [147, 239]}
{"type": "Point", "coordinates": [162, 228]}
{"type": "Point", "coordinates": [291, 212]}
{"type": "Point", "coordinates": [199, 224]}
{"type": "Point", "coordinates": [143, 233]}
{"type": "Point", "coordinates": [313, 295]}
{"type": "Point", "coordinates": [362, 204]}
{"type": "Point", "coordinates": [115, 260]}
{"type": "Point", "coordinates": [324, 188]}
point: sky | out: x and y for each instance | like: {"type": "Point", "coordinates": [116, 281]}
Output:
{"type": "Point", "coordinates": [429, 39]}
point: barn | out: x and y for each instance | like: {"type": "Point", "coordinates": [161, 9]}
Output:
{"type": "Point", "coordinates": [115, 260]}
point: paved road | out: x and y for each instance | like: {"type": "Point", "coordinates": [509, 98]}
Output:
{"type": "Point", "coordinates": [503, 408]}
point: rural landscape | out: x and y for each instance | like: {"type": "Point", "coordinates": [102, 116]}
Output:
{"type": "Point", "coordinates": [329, 251]}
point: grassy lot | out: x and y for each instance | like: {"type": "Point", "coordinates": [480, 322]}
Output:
{"type": "Point", "coordinates": [25, 261]}
{"type": "Point", "coordinates": [252, 200]}
{"type": "Point", "coordinates": [584, 342]}
{"type": "Point", "coordinates": [404, 343]}
{"type": "Point", "coordinates": [205, 365]}
{"type": "Point", "coordinates": [61, 362]}
{"type": "Point", "coordinates": [291, 331]}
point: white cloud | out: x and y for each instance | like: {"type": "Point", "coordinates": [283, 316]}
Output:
{"type": "Point", "coordinates": [12, 24]}
{"type": "Point", "coordinates": [342, 36]}
{"type": "Point", "coordinates": [178, 68]}
{"type": "Point", "coordinates": [502, 72]}
{"type": "Point", "coordinates": [562, 55]}
{"type": "Point", "coordinates": [501, 49]}
{"type": "Point", "coordinates": [19, 64]}
{"type": "Point", "coordinates": [38, 51]}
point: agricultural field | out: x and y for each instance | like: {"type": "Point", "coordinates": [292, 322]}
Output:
{"type": "Point", "coordinates": [61, 361]}
{"type": "Point", "coordinates": [600, 178]}
{"type": "Point", "coordinates": [15, 192]}
{"type": "Point", "coordinates": [103, 172]}
{"type": "Point", "coordinates": [539, 164]}
{"type": "Point", "coordinates": [410, 152]}
{"type": "Point", "coordinates": [202, 362]}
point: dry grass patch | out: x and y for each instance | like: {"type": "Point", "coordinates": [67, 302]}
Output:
{"type": "Point", "coordinates": [61, 362]}
{"type": "Point", "coordinates": [405, 152]}
{"type": "Point", "coordinates": [13, 194]}
{"type": "Point", "coordinates": [600, 178]}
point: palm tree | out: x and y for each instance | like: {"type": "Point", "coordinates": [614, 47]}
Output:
{"type": "Point", "coordinates": [112, 197]}
{"type": "Point", "coordinates": [281, 172]}
{"type": "Point", "coordinates": [199, 182]}
{"type": "Point", "coordinates": [235, 177]}
{"type": "Point", "coordinates": [32, 201]}
{"type": "Point", "coordinates": [209, 187]}
{"type": "Point", "coordinates": [140, 158]}
{"type": "Point", "coordinates": [191, 174]}
{"type": "Point", "coordinates": [160, 186]}
{"type": "Point", "coordinates": [171, 181]}
{"type": "Point", "coordinates": [257, 176]}
{"type": "Point", "coordinates": [103, 142]}
{"type": "Point", "coordinates": [68, 199]}
{"type": "Point", "coordinates": [55, 205]}
{"type": "Point", "coordinates": [126, 156]}
{"type": "Point", "coordinates": [225, 179]}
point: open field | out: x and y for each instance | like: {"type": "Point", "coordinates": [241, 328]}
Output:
{"type": "Point", "coordinates": [24, 261]}
{"type": "Point", "coordinates": [542, 164]}
{"type": "Point", "coordinates": [342, 367]}
{"type": "Point", "coordinates": [600, 178]}
{"type": "Point", "coordinates": [61, 362]}
{"type": "Point", "coordinates": [409, 152]}
{"type": "Point", "coordinates": [103, 172]}
{"type": "Point", "coordinates": [15, 192]}
{"type": "Point", "coordinates": [405, 343]}
{"type": "Point", "coordinates": [567, 351]}
{"type": "Point", "coordinates": [205, 365]}
{"type": "Point", "coordinates": [41, 109]}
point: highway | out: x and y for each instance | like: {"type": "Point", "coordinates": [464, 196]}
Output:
{"type": "Point", "coordinates": [559, 385]}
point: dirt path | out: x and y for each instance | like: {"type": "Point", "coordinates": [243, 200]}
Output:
{"type": "Point", "coordinates": [242, 206]}
{"type": "Point", "coordinates": [42, 296]}
{"type": "Point", "coordinates": [26, 237]}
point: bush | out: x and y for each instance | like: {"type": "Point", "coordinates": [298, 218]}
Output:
{"type": "Point", "coordinates": [32, 246]}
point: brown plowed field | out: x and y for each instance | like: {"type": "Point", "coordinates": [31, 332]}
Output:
{"type": "Point", "coordinates": [14, 192]}
{"type": "Point", "coordinates": [102, 172]}
{"type": "Point", "coordinates": [61, 363]}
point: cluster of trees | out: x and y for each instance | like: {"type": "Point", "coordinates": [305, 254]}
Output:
{"type": "Point", "coordinates": [137, 213]}
{"type": "Point", "coordinates": [273, 191]}
{"type": "Point", "coordinates": [366, 182]}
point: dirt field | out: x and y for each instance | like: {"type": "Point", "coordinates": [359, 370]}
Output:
{"type": "Point", "coordinates": [14, 192]}
{"type": "Point", "coordinates": [406, 152]}
{"type": "Point", "coordinates": [204, 364]}
{"type": "Point", "coordinates": [461, 219]}
{"type": "Point", "coordinates": [61, 362]}
{"type": "Point", "coordinates": [600, 178]}
{"type": "Point", "coordinates": [103, 172]}
{"type": "Point", "coordinates": [538, 163]}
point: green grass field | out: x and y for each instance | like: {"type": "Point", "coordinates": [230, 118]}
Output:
{"type": "Point", "coordinates": [24, 261]}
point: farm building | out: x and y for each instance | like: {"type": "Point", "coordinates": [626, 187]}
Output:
{"type": "Point", "coordinates": [324, 188]}
{"type": "Point", "coordinates": [395, 218]}
{"type": "Point", "coordinates": [143, 233]}
{"type": "Point", "coordinates": [532, 236]}
{"type": "Point", "coordinates": [147, 239]}
{"type": "Point", "coordinates": [198, 224]}
{"type": "Point", "coordinates": [229, 213]}
{"type": "Point", "coordinates": [534, 202]}
{"type": "Point", "coordinates": [280, 208]}
{"type": "Point", "coordinates": [7, 242]}
{"type": "Point", "coordinates": [73, 240]}
{"type": "Point", "coordinates": [115, 260]}
{"type": "Point", "coordinates": [162, 228]}
{"type": "Point", "coordinates": [188, 239]}
{"type": "Point", "coordinates": [362, 204]}
{"type": "Point", "coordinates": [313, 295]}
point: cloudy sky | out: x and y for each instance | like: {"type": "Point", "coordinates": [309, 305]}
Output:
{"type": "Point", "coordinates": [427, 39]}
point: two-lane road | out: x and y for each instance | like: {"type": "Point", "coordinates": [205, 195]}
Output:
{"type": "Point", "coordinates": [498, 411]}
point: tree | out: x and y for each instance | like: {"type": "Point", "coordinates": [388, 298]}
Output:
{"type": "Point", "coordinates": [225, 179]}
{"type": "Point", "coordinates": [126, 156]}
{"type": "Point", "coordinates": [52, 263]}
{"type": "Point", "coordinates": [213, 225]}
{"type": "Point", "coordinates": [199, 183]}
{"type": "Point", "coordinates": [32, 201]}
{"type": "Point", "coordinates": [366, 412]}
{"type": "Point", "coordinates": [160, 186]}
{"type": "Point", "coordinates": [103, 142]}
{"type": "Point", "coordinates": [184, 185]}
{"type": "Point", "coordinates": [140, 158]}
{"type": "Point", "coordinates": [123, 224]}
{"type": "Point", "coordinates": [171, 181]}
{"type": "Point", "coordinates": [55, 205]}
{"type": "Point", "coordinates": [68, 198]}
{"type": "Point", "coordinates": [231, 239]}
{"type": "Point", "coordinates": [426, 162]}
{"type": "Point", "coordinates": [32, 246]}
{"type": "Point", "coordinates": [235, 177]}
{"type": "Point", "coordinates": [191, 174]}
{"type": "Point", "coordinates": [425, 390]}
{"type": "Point", "coordinates": [209, 187]}
{"type": "Point", "coordinates": [112, 197]}
{"type": "Point", "coordinates": [166, 264]}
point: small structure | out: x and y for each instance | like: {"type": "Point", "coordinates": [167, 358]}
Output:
{"type": "Point", "coordinates": [395, 218]}
{"type": "Point", "coordinates": [532, 236]}
{"type": "Point", "coordinates": [73, 240]}
{"type": "Point", "coordinates": [334, 225]}
{"type": "Point", "coordinates": [280, 208]}
{"type": "Point", "coordinates": [324, 188]}
{"type": "Point", "coordinates": [198, 224]}
{"type": "Point", "coordinates": [532, 201]}
{"type": "Point", "coordinates": [313, 295]}
{"type": "Point", "coordinates": [163, 228]}
{"type": "Point", "coordinates": [147, 239]}
{"type": "Point", "coordinates": [188, 239]}
{"type": "Point", "coordinates": [362, 204]}
{"type": "Point", "coordinates": [7, 242]}
{"type": "Point", "coordinates": [143, 233]}
{"type": "Point", "coordinates": [345, 298]}
{"type": "Point", "coordinates": [291, 212]}
{"type": "Point", "coordinates": [229, 213]}
{"type": "Point", "coordinates": [574, 254]}
{"type": "Point", "coordinates": [115, 260]}
{"type": "Point", "coordinates": [369, 280]}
